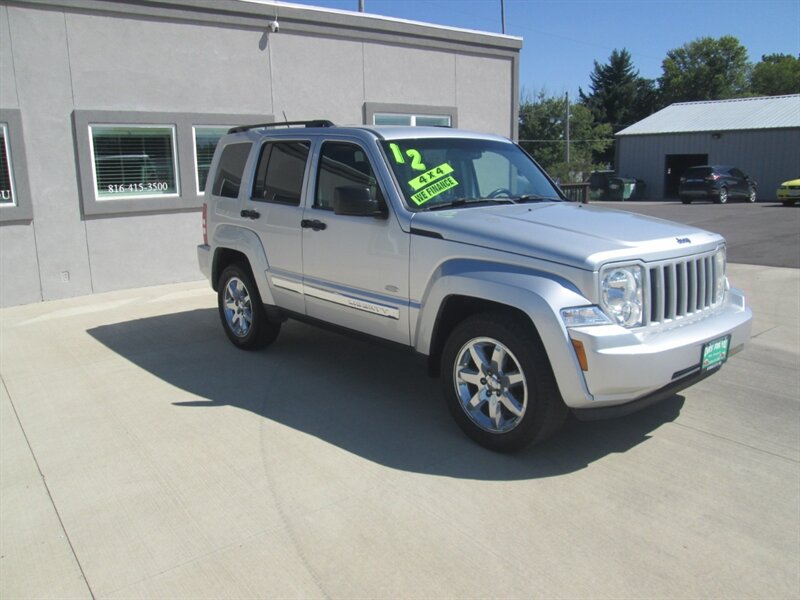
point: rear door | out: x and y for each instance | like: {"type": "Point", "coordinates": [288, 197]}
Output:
{"type": "Point", "coordinates": [274, 210]}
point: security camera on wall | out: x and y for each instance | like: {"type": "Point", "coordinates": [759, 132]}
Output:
{"type": "Point", "coordinates": [274, 26]}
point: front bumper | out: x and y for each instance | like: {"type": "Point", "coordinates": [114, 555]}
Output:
{"type": "Point", "coordinates": [629, 365]}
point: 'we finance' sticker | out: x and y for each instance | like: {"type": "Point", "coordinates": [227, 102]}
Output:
{"type": "Point", "coordinates": [432, 183]}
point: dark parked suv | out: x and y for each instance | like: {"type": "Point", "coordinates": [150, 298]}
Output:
{"type": "Point", "coordinates": [717, 183]}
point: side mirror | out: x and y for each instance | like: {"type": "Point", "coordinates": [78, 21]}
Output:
{"type": "Point", "coordinates": [356, 201]}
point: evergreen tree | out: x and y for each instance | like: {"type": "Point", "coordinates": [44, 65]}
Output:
{"type": "Point", "coordinates": [618, 96]}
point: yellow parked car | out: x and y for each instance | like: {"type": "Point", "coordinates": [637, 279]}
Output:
{"type": "Point", "coordinates": [789, 192]}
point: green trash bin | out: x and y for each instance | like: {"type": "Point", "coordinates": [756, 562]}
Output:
{"type": "Point", "coordinates": [616, 189]}
{"type": "Point", "coordinates": [622, 188]}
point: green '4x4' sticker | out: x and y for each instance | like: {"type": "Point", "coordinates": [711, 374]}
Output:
{"type": "Point", "coordinates": [432, 183]}
{"type": "Point", "coordinates": [420, 181]}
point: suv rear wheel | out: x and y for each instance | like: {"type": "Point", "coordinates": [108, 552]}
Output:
{"type": "Point", "coordinates": [498, 383]}
{"type": "Point", "coordinates": [723, 195]}
{"type": "Point", "coordinates": [241, 311]}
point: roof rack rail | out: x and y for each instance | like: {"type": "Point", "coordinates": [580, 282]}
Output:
{"type": "Point", "coordinates": [317, 123]}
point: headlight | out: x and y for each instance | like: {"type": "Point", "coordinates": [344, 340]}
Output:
{"type": "Point", "coordinates": [621, 294]}
{"type": "Point", "coordinates": [719, 274]}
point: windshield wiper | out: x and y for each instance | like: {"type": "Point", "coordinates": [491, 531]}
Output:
{"type": "Point", "coordinates": [534, 198]}
{"type": "Point", "coordinates": [469, 201]}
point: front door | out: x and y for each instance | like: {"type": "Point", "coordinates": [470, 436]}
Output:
{"type": "Point", "coordinates": [355, 268]}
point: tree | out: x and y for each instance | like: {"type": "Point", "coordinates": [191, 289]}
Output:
{"type": "Point", "coordinates": [705, 69]}
{"type": "Point", "coordinates": [542, 122]}
{"type": "Point", "coordinates": [618, 96]}
{"type": "Point", "coordinates": [775, 75]}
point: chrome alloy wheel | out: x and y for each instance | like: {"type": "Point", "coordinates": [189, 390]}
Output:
{"type": "Point", "coordinates": [238, 308]}
{"type": "Point", "coordinates": [490, 385]}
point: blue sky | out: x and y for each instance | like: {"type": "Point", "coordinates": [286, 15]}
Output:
{"type": "Point", "coordinates": [562, 38]}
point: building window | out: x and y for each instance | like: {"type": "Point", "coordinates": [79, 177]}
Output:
{"type": "Point", "coordinates": [7, 194]}
{"type": "Point", "coordinates": [206, 139]}
{"type": "Point", "coordinates": [134, 161]}
{"type": "Point", "coordinates": [411, 119]}
{"type": "Point", "coordinates": [141, 162]}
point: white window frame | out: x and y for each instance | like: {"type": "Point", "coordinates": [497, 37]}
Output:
{"type": "Point", "coordinates": [412, 116]}
{"type": "Point", "coordinates": [14, 200]}
{"type": "Point", "coordinates": [194, 151]}
{"type": "Point", "coordinates": [413, 111]}
{"type": "Point", "coordinates": [176, 170]}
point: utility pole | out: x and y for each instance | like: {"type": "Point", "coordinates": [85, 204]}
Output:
{"type": "Point", "coordinates": [503, 15]}
{"type": "Point", "coordinates": [360, 5]}
{"type": "Point", "coordinates": [566, 133]}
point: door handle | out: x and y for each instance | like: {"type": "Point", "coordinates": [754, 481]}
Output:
{"type": "Point", "coordinates": [315, 224]}
{"type": "Point", "coordinates": [250, 214]}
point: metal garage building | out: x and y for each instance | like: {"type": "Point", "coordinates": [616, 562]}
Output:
{"type": "Point", "coordinates": [110, 111]}
{"type": "Point", "coordinates": [761, 136]}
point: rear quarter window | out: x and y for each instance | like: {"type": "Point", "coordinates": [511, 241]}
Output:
{"type": "Point", "coordinates": [228, 178]}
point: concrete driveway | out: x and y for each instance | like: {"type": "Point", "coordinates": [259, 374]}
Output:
{"type": "Point", "coordinates": [143, 456]}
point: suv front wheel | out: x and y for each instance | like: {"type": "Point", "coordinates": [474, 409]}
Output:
{"type": "Point", "coordinates": [498, 383]}
{"type": "Point", "coordinates": [241, 311]}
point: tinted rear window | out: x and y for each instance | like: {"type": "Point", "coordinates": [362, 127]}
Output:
{"type": "Point", "coordinates": [697, 172]}
{"type": "Point", "coordinates": [279, 176]}
{"type": "Point", "coordinates": [228, 179]}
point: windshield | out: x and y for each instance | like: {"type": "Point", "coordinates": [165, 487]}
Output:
{"type": "Point", "coordinates": [440, 172]}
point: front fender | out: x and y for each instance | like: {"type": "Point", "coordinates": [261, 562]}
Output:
{"type": "Point", "coordinates": [538, 294]}
{"type": "Point", "coordinates": [239, 239]}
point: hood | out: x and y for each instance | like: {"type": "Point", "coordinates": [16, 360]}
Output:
{"type": "Point", "coordinates": [575, 234]}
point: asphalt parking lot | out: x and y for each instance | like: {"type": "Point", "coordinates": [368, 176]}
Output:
{"type": "Point", "coordinates": [141, 455]}
{"type": "Point", "coordinates": [763, 233]}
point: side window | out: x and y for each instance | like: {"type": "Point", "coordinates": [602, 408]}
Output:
{"type": "Point", "coordinates": [228, 178]}
{"type": "Point", "coordinates": [341, 165]}
{"type": "Point", "coordinates": [279, 176]}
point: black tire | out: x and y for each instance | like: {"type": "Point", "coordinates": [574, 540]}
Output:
{"type": "Point", "coordinates": [723, 195]}
{"type": "Point", "coordinates": [752, 195]}
{"type": "Point", "coordinates": [241, 311]}
{"type": "Point", "coordinates": [787, 202]}
{"type": "Point", "coordinates": [536, 397]}
{"type": "Point", "coordinates": [686, 200]}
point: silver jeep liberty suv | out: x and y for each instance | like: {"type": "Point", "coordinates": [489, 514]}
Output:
{"type": "Point", "coordinates": [459, 246]}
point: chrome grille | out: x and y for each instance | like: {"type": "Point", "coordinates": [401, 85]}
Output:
{"type": "Point", "coordinates": [680, 288]}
